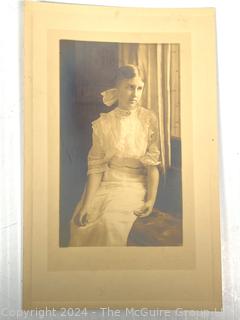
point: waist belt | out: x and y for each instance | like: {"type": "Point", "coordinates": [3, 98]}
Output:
{"type": "Point", "coordinates": [126, 162]}
{"type": "Point", "coordinates": [126, 169]}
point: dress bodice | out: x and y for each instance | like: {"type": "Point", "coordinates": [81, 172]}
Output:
{"type": "Point", "coordinates": [124, 134]}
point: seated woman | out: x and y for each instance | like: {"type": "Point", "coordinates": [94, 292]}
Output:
{"type": "Point", "coordinates": [122, 171]}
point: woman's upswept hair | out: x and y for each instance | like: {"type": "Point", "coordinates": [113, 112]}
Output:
{"type": "Point", "coordinates": [129, 71]}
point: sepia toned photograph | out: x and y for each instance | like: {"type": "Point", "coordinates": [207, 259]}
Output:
{"type": "Point", "coordinates": [120, 144]}
{"type": "Point", "coordinates": [121, 158]}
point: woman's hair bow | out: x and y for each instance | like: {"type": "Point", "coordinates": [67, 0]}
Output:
{"type": "Point", "coordinates": [110, 96]}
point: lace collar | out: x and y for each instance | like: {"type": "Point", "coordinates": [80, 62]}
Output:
{"type": "Point", "coordinates": [124, 112]}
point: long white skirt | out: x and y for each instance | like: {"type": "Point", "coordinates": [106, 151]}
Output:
{"type": "Point", "coordinates": [111, 215]}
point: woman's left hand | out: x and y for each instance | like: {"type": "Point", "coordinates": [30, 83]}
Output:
{"type": "Point", "coordinates": [146, 209]}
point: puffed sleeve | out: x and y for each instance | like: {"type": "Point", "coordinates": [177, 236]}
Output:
{"type": "Point", "coordinates": [152, 155]}
{"type": "Point", "coordinates": [97, 162]}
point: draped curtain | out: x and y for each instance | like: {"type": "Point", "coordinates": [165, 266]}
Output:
{"type": "Point", "coordinates": [156, 62]}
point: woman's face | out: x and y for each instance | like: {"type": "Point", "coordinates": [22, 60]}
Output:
{"type": "Point", "coordinates": [129, 92]}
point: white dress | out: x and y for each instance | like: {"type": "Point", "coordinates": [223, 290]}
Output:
{"type": "Point", "coordinates": [124, 143]}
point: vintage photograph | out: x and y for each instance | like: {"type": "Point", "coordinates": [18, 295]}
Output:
{"type": "Point", "coordinates": [120, 158]}
{"type": "Point", "coordinates": [120, 144]}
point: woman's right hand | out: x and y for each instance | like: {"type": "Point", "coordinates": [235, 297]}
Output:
{"type": "Point", "coordinates": [80, 218]}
